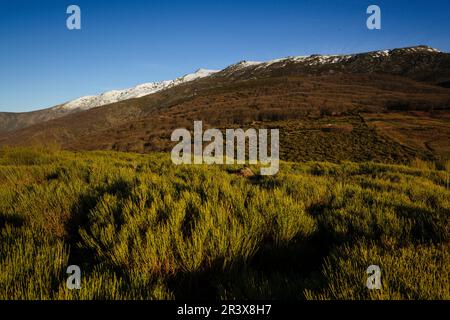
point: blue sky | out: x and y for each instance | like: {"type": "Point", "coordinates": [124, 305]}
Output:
{"type": "Point", "coordinates": [124, 43]}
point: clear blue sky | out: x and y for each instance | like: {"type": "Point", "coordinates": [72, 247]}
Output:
{"type": "Point", "coordinates": [124, 43]}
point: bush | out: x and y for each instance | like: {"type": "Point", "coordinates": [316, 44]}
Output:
{"type": "Point", "coordinates": [141, 228]}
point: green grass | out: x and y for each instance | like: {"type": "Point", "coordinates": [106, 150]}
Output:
{"type": "Point", "coordinates": [341, 138]}
{"type": "Point", "coordinates": [141, 228]}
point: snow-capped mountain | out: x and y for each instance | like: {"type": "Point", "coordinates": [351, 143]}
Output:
{"type": "Point", "coordinates": [317, 60]}
{"type": "Point", "coordinates": [88, 102]}
{"type": "Point", "coordinates": [419, 63]}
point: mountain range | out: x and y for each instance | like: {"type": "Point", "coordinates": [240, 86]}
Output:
{"type": "Point", "coordinates": [365, 96]}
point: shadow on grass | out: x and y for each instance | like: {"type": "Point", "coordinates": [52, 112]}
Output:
{"type": "Point", "coordinates": [79, 219]}
{"type": "Point", "coordinates": [13, 220]}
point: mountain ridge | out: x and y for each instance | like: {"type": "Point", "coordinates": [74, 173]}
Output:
{"type": "Point", "coordinates": [88, 102]}
{"type": "Point", "coordinates": [298, 91]}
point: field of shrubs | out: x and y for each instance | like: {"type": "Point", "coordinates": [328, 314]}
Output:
{"type": "Point", "coordinates": [140, 227]}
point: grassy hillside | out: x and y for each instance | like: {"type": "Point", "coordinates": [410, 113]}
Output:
{"type": "Point", "coordinates": [140, 227]}
{"type": "Point", "coordinates": [145, 124]}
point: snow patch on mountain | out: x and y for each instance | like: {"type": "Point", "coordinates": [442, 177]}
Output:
{"type": "Point", "coordinates": [316, 60]}
{"type": "Point", "coordinates": [88, 102]}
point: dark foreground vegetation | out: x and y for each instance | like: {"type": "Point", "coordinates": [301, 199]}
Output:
{"type": "Point", "coordinates": [141, 228]}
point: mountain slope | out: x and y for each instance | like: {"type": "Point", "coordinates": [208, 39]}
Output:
{"type": "Point", "coordinates": [324, 95]}
{"type": "Point", "coordinates": [12, 121]}
{"type": "Point", "coordinates": [420, 63]}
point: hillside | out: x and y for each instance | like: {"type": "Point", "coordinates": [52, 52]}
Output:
{"type": "Point", "coordinates": [304, 94]}
{"type": "Point", "coordinates": [13, 121]}
{"type": "Point", "coordinates": [142, 228]}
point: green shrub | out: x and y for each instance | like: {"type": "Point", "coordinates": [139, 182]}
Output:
{"type": "Point", "coordinates": [142, 228]}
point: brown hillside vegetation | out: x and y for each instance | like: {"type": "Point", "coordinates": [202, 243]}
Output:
{"type": "Point", "coordinates": [364, 179]}
{"type": "Point", "coordinates": [143, 228]}
{"type": "Point", "coordinates": [145, 124]}
{"type": "Point", "coordinates": [328, 111]}
{"type": "Point", "coordinates": [425, 132]}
